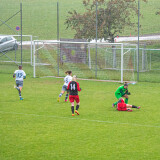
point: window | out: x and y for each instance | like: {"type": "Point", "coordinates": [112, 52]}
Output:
{"type": "Point", "coordinates": [3, 40]}
{"type": "Point", "coordinates": [9, 38]}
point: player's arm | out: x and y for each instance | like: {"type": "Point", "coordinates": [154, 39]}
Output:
{"type": "Point", "coordinates": [78, 88]}
{"type": "Point", "coordinates": [121, 92]}
{"type": "Point", "coordinates": [14, 74]}
{"type": "Point", "coordinates": [127, 92]}
{"type": "Point", "coordinates": [24, 75]}
{"type": "Point", "coordinates": [68, 87]}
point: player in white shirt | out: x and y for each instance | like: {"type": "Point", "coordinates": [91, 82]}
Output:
{"type": "Point", "coordinates": [67, 79]}
{"type": "Point", "coordinates": [19, 75]}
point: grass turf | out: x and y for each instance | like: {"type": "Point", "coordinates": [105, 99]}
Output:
{"type": "Point", "coordinates": [41, 128]}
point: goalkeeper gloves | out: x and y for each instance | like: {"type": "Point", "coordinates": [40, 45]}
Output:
{"type": "Point", "coordinates": [128, 93]}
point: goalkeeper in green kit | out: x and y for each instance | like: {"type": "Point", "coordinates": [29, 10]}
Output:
{"type": "Point", "coordinates": [122, 91]}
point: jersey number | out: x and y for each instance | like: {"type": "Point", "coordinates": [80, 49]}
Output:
{"type": "Point", "coordinates": [73, 87]}
{"type": "Point", "coordinates": [19, 75]}
{"type": "Point", "coordinates": [66, 80]}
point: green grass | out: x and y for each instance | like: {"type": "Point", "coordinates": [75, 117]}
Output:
{"type": "Point", "coordinates": [41, 128]}
{"type": "Point", "coordinates": [40, 17]}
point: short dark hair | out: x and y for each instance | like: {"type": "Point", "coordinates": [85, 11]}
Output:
{"type": "Point", "coordinates": [20, 66]}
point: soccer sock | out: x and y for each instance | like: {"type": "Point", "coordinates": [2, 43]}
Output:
{"type": "Point", "coordinates": [60, 95]}
{"type": "Point", "coordinates": [66, 96]}
{"type": "Point", "coordinates": [115, 103]}
{"type": "Point", "coordinates": [77, 107]}
{"type": "Point", "coordinates": [17, 88]}
{"type": "Point", "coordinates": [126, 100]}
{"type": "Point", "coordinates": [72, 109]}
{"type": "Point", "coordinates": [133, 106]}
{"type": "Point", "coordinates": [19, 93]}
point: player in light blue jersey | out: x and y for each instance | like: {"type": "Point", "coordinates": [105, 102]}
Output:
{"type": "Point", "coordinates": [19, 75]}
{"type": "Point", "coordinates": [67, 79]}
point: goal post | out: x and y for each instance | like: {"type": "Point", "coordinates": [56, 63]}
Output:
{"type": "Point", "coordinates": [53, 58]}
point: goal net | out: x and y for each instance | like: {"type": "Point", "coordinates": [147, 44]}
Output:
{"type": "Point", "coordinates": [101, 61]}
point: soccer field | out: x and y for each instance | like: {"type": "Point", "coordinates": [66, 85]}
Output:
{"type": "Point", "coordinates": [40, 128]}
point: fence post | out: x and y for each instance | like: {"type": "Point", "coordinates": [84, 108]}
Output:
{"type": "Point", "coordinates": [143, 58]}
{"type": "Point", "coordinates": [21, 30]}
{"type": "Point", "coordinates": [34, 60]}
{"type": "Point", "coordinates": [138, 42]}
{"type": "Point", "coordinates": [58, 38]}
{"type": "Point", "coordinates": [96, 39]}
{"type": "Point", "coordinates": [31, 48]}
{"type": "Point", "coordinates": [122, 63]}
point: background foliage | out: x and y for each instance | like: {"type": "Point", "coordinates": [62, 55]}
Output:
{"type": "Point", "coordinates": [40, 17]}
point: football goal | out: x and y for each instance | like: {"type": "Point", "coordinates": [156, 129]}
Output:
{"type": "Point", "coordinates": [101, 61]}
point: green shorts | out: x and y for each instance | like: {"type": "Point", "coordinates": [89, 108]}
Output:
{"type": "Point", "coordinates": [118, 95]}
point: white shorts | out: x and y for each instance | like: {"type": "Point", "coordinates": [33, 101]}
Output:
{"type": "Point", "coordinates": [19, 83]}
{"type": "Point", "coordinates": [64, 88]}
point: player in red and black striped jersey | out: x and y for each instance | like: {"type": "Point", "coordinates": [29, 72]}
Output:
{"type": "Point", "coordinates": [73, 88]}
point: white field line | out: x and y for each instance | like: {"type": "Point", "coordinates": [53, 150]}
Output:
{"type": "Point", "coordinates": [89, 120]}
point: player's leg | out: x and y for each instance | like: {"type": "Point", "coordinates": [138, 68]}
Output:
{"type": "Point", "coordinates": [72, 108]}
{"type": "Point", "coordinates": [77, 107]}
{"type": "Point", "coordinates": [20, 96]}
{"type": "Point", "coordinates": [71, 99]}
{"type": "Point", "coordinates": [133, 106]}
{"type": "Point", "coordinates": [78, 103]}
{"type": "Point", "coordinates": [20, 89]}
{"type": "Point", "coordinates": [66, 97]}
{"type": "Point", "coordinates": [62, 92]}
{"type": "Point", "coordinates": [129, 110]}
{"type": "Point", "coordinates": [128, 105]}
{"type": "Point", "coordinates": [19, 85]}
{"type": "Point", "coordinates": [126, 98]}
{"type": "Point", "coordinates": [118, 96]}
{"type": "Point", "coordinates": [16, 86]}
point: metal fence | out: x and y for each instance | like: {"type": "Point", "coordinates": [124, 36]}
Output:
{"type": "Point", "coordinates": [39, 18]}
